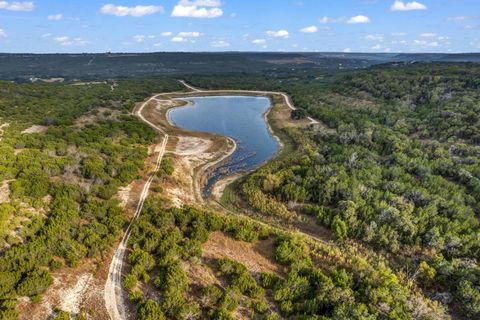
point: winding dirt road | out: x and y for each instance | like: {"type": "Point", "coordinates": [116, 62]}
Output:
{"type": "Point", "coordinates": [113, 293]}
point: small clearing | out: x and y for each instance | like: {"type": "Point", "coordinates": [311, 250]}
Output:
{"type": "Point", "coordinates": [2, 129]}
{"type": "Point", "coordinates": [257, 257]}
{"type": "Point", "coordinates": [124, 194]}
{"type": "Point", "coordinates": [72, 297]}
{"type": "Point", "coordinates": [4, 192]}
{"type": "Point", "coordinates": [69, 289]}
{"type": "Point", "coordinates": [36, 129]}
{"type": "Point", "coordinates": [200, 275]}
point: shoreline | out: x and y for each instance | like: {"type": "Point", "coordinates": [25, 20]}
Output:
{"type": "Point", "coordinates": [217, 188]}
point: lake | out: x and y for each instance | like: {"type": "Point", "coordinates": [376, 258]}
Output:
{"type": "Point", "coordinates": [238, 117]}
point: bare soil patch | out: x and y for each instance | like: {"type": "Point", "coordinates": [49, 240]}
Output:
{"type": "Point", "coordinates": [35, 129]}
{"type": "Point", "coordinates": [257, 257]}
{"type": "Point", "coordinates": [73, 290]}
{"type": "Point", "coordinates": [5, 192]}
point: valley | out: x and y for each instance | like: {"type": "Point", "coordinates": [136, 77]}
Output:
{"type": "Point", "coordinates": [362, 209]}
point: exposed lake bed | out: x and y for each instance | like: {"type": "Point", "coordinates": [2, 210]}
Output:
{"type": "Point", "coordinates": [240, 118]}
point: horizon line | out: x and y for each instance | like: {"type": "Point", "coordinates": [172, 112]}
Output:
{"type": "Point", "coordinates": [239, 51]}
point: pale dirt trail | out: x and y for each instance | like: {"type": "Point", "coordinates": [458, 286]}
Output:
{"type": "Point", "coordinates": [189, 86]}
{"type": "Point", "coordinates": [114, 298]}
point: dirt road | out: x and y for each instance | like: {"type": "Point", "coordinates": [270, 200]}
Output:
{"type": "Point", "coordinates": [114, 298]}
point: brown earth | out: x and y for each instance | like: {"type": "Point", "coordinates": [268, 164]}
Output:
{"type": "Point", "coordinates": [257, 257]}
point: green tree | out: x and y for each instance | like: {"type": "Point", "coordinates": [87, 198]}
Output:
{"type": "Point", "coordinates": [150, 310]}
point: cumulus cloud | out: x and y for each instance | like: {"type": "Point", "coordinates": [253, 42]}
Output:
{"type": "Point", "coordinates": [206, 9]}
{"type": "Point", "coordinates": [278, 34]}
{"type": "Point", "coordinates": [3, 34]}
{"type": "Point", "coordinates": [398, 34]}
{"type": "Point", "coordinates": [55, 17]}
{"type": "Point", "coordinates": [17, 6]}
{"type": "Point", "coordinates": [166, 34]}
{"type": "Point", "coordinates": [220, 44]}
{"type": "Point", "coordinates": [310, 29]}
{"type": "Point", "coordinates": [347, 50]}
{"type": "Point", "coordinates": [428, 35]}
{"type": "Point", "coordinates": [358, 19]}
{"type": "Point", "coordinates": [259, 41]}
{"type": "Point", "coordinates": [68, 41]}
{"type": "Point", "coordinates": [399, 5]}
{"type": "Point", "coordinates": [137, 11]}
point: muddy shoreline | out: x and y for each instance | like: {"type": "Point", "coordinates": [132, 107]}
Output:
{"type": "Point", "coordinates": [215, 191]}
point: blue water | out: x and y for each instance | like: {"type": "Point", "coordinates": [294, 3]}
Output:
{"type": "Point", "coordinates": [240, 118]}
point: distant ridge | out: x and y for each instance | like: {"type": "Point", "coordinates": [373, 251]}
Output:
{"type": "Point", "coordinates": [25, 66]}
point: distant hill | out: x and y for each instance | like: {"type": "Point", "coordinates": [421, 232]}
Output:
{"type": "Point", "coordinates": [29, 67]}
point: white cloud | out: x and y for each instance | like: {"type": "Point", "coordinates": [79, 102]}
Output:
{"type": "Point", "coordinates": [375, 37]}
{"type": "Point", "coordinates": [178, 39]}
{"type": "Point", "coordinates": [330, 20]}
{"type": "Point", "coordinates": [17, 6]}
{"type": "Point", "coordinates": [55, 17]}
{"type": "Point", "coordinates": [142, 38]}
{"type": "Point", "coordinates": [379, 47]}
{"type": "Point", "coordinates": [220, 44]}
{"type": "Point", "coordinates": [206, 9]}
{"type": "Point", "coordinates": [407, 6]}
{"type": "Point", "coordinates": [278, 34]}
{"type": "Point", "coordinates": [472, 27]}
{"type": "Point", "coordinates": [204, 3]}
{"type": "Point", "coordinates": [46, 35]}
{"type": "Point", "coordinates": [462, 18]}
{"type": "Point", "coordinates": [428, 35]}
{"type": "Point", "coordinates": [347, 50]}
{"type": "Point", "coordinates": [259, 41]}
{"type": "Point", "coordinates": [3, 34]}
{"type": "Point", "coordinates": [68, 41]}
{"type": "Point", "coordinates": [166, 34]}
{"type": "Point", "coordinates": [310, 29]}
{"type": "Point", "coordinates": [184, 36]}
{"type": "Point", "coordinates": [424, 43]}
{"type": "Point", "coordinates": [398, 34]}
{"type": "Point", "coordinates": [189, 34]}
{"type": "Point", "coordinates": [137, 11]}
{"type": "Point", "coordinates": [359, 19]}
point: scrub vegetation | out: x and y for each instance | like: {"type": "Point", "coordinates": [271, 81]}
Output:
{"type": "Point", "coordinates": [394, 165]}
{"type": "Point", "coordinates": [390, 173]}
{"type": "Point", "coordinates": [317, 280]}
{"type": "Point", "coordinates": [60, 207]}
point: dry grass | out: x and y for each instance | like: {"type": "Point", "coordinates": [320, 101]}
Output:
{"type": "Point", "coordinates": [257, 257]}
{"type": "Point", "coordinates": [35, 129]}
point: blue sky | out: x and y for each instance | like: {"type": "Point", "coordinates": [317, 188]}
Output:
{"type": "Point", "coordinates": [240, 25]}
